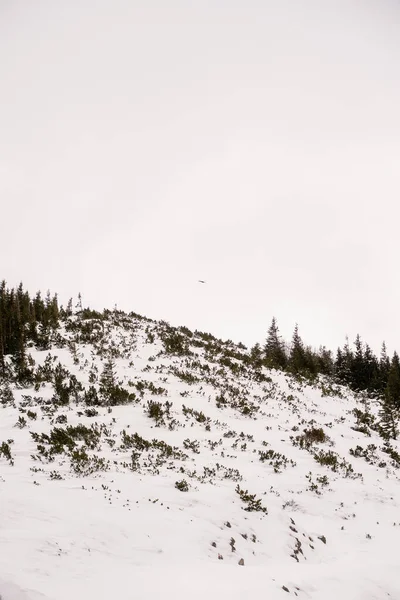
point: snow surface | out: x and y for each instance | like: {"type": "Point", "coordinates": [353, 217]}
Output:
{"type": "Point", "coordinates": [131, 534]}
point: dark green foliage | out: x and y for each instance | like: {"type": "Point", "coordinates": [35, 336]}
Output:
{"type": "Point", "coordinates": [87, 313]}
{"type": "Point", "coordinates": [274, 349]}
{"type": "Point", "coordinates": [192, 445]}
{"type": "Point", "coordinates": [383, 370]}
{"type": "Point", "coordinates": [332, 460]}
{"type": "Point", "coordinates": [138, 445]}
{"type": "Point", "coordinates": [302, 361]}
{"type": "Point", "coordinates": [91, 412]}
{"type": "Point", "coordinates": [21, 423]}
{"type": "Point", "coordinates": [174, 342]}
{"type": "Point", "coordinates": [368, 453]}
{"type": "Point", "coordinates": [156, 411]}
{"type": "Point", "coordinates": [252, 504]}
{"type": "Point", "coordinates": [389, 418]}
{"type": "Point", "coordinates": [61, 439]}
{"type": "Point", "coordinates": [118, 396]}
{"type": "Point", "coordinates": [108, 378]}
{"type": "Point", "coordinates": [297, 359]}
{"type": "Point", "coordinates": [275, 459]}
{"type": "Point", "coordinates": [323, 362]}
{"type": "Point", "coordinates": [6, 395]}
{"type": "Point", "coordinates": [22, 320]}
{"type": "Point", "coordinates": [185, 376]}
{"type": "Point", "coordinates": [134, 441]}
{"type": "Point", "coordinates": [392, 391]}
{"type": "Point", "coordinates": [200, 417]}
{"type": "Point", "coordinates": [358, 375]}
{"type": "Point", "coordinates": [91, 397]}
{"type": "Point", "coordinates": [65, 386]}
{"type": "Point", "coordinates": [182, 485]}
{"type": "Point", "coordinates": [390, 405]}
{"type": "Point", "coordinates": [112, 394]}
{"type": "Point", "coordinates": [394, 455]}
{"type": "Point", "coordinates": [310, 437]}
{"type": "Point", "coordinates": [343, 365]}
{"type": "Point", "coordinates": [83, 464]}
{"type": "Point", "coordinates": [257, 359]}
{"type": "Point", "coordinates": [360, 369]}
{"type": "Point", "coordinates": [5, 450]}
{"type": "Point", "coordinates": [365, 421]}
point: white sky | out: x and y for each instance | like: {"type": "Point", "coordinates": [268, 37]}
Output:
{"type": "Point", "coordinates": [252, 143]}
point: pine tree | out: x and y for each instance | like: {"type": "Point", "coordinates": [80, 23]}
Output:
{"type": "Point", "coordinates": [79, 306]}
{"type": "Point", "coordinates": [357, 366]}
{"type": "Point", "coordinates": [256, 356]}
{"type": "Point", "coordinates": [384, 368]}
{"type": "Point", "coordinates": [274, 350]}
{"type": "Point", "coordinates": [19, 360]}
{"type": "Point", "coordinates": [108, 378]}
{"type": "Point", "coordinates": [61, 385]}
{"type": "Point", "coordinates": [298, 359]}
{"type": "Point", "coordinates": [393, 384]}
{"type": "Point", "coordinates": [343, 364]}
{"type": "Point", "coordinates": [390, 406]}
{"type": "Point", "coordinates": [324, 361]}
{"type": "Point", "coordinates": [389, 418]}
{"type": "Point", "coordinates": [68, 311]}
{"type": "Point", "coordinates": [371, 370]}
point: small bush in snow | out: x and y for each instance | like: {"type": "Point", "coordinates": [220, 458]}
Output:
{"type": "Point", "coordinates": [250, 500]}
{"type": "Point", "coordinates": [182, 485]}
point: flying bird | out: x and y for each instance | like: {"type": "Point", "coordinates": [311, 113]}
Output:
{"type": "Point", "coordinates": [201, 281]}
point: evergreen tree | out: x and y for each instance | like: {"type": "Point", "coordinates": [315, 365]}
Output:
{"type": "Point", "coordinates": [79, 306]}
{"type": "Point", "coordinates": [324, 362]}
{"type": "Point", "coordinates": [371, 370]}
{"type": "Point", "coordinates": [61, 387]}
{"type": "Point", "coordinates": [22, 370]}
{"type": "Point", "coordinates": [393, 383]}
{"type": "Point", "coordinates": [298, 360]}
{"type": "Point", "coordinates": [256, 356]}
{"type": "Point", "coordinates": [343, 364]}
{"type": "Point", "coordinates": [107, 378]}
{"type": "Point", "coordinates": [20, 319]}
{"type": "Point", "coordinates": [274, 350]}
{"type": "Point", "coordinates": [384, 368]}
{"type": "Point", "coordinates": [389, 418]}
{"type": "Point", "coordinates": [357, 366]}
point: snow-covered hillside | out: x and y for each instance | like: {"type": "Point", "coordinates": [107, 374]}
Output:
{"type": "Point", "coordinates": [151, 462]}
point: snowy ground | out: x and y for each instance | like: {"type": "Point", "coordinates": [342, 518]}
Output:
{"type": "Point", "coordinates": [122, 529]}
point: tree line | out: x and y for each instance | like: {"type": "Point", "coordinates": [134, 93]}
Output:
{"type": "Point", "coordinates": [354, 366]}
{"type": "Point", "coordinates": [28, 320]}
{"type": "Point", "coordinates": [23, 320]}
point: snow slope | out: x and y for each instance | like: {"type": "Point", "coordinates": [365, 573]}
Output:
{"type": "Point", "coordinates": [110, 522]}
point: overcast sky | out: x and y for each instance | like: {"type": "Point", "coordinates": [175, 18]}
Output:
{"type": "Point", "coordinates": [255, 144]}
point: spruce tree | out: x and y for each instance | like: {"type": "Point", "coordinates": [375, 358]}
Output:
{"type": "Point", "coordinates": [371, 370]}
{"type": "Point", "coordinates": [384, 368]}
{"type": "Point", "coordinates": [393, 384]}
{"type": "Point", "coordinates": [343, 364]}
{"type": "Point", "coordinates": [390, 405]}
{"type": "Point", "coordinates": [324, 361]}
{"type": "Point", "coordinates": [357, 366]}
{"type": "Point", "coordinates": [389, 418]}
{"type": "Point", "coordinates": [107, 378]}
{"type": "Point", "coordinates": [274, 349]}
{"type": "Point", "coordinates": [256, 356]}
{"type": "Point", "coordinates": [298, 359]}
